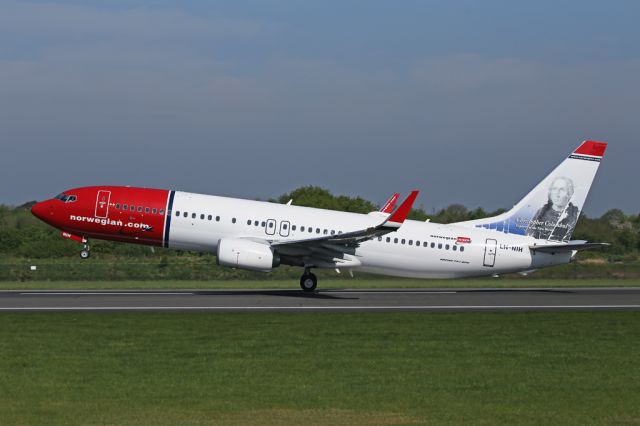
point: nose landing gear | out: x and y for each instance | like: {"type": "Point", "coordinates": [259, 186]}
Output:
{"type": "Point", "coordinates": [308, 281]}
{"type": "Point", "coordinates": [86, 252]}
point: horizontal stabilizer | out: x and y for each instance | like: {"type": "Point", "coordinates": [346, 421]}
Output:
{"type": "Point", "coordinates": [570, 246]}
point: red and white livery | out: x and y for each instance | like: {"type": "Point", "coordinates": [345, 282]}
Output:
{"type": "Point", "coordinates": [260, 236]}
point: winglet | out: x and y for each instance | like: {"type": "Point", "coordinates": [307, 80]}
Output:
{"type": "Point", "coordinates": [402, 212]}
{"type": "Point", "coordinates": [391, 204]}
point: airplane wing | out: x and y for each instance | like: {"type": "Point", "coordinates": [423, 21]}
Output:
{"type": "Point", "coordinates": [354, 238]}
{"type": "Point", "coordinates": [566, 247]}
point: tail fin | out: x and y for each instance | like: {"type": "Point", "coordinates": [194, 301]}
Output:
{"type": "Point", "coordinates": [551, 210]}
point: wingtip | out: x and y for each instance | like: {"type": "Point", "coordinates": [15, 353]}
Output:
{"type": "Point", "coordinates": [390, 204]}
{"type": "Point", "coordinates": [402, 212]}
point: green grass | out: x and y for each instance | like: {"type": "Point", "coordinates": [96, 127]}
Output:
{"type": "Point", "coordinates": [322, 284]}
{"type": "Point", "coordinates": [285, 368]}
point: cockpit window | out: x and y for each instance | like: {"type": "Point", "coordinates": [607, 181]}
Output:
{"type": "Point", "coordinates": [66, 198]}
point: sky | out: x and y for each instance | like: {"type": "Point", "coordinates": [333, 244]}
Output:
{"type": "Point", "coordinates": [470, 102]}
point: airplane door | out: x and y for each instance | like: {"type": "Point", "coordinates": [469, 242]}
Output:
{"type": "Point", "coordinates": [102, 203]}
{"type": "Point", "coordinates": [490, 249]}
{"type": "Point", "coordinates": [284, 228]}
{"type": "Point", "coordinates": [270, 227]}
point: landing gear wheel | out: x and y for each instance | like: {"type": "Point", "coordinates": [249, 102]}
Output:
{"type": "Point", "coordinates": [85, 253]}
{"type": "Point", "coordinates": [308, 282]}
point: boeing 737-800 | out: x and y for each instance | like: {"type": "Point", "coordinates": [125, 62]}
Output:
{"type": "Point", "coordinates": [260, 236]}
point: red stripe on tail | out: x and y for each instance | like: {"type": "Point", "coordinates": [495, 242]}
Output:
{"type": "Point", "coordinates": [594, 148]}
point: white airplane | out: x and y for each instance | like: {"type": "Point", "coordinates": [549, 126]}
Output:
{"type": "Point", "coordinates": [260, 236]}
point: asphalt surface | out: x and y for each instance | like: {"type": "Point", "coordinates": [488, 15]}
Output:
{"type": "Point", "coordinates": [460, 299]}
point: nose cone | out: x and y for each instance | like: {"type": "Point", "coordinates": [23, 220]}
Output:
{"type": "Point", "coordinates": [42, 211]}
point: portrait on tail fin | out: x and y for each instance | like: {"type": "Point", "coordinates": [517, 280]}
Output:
{"type": "Point", "coordinates": [557, 218]}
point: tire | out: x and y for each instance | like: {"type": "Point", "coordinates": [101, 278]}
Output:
{"type": "Point", "coordinates": [84, 254]}
{"type": "Point", "coordinates": [308, 282]}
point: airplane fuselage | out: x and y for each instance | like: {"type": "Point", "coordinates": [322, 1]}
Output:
{"type": "Point", "coordinates": [189, 221]}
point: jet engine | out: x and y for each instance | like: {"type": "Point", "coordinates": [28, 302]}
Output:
{"type": "Point", "coordinates": [246, 254]}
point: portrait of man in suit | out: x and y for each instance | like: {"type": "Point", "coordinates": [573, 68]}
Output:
{"type": "Point", "coordinates": [557, 218]}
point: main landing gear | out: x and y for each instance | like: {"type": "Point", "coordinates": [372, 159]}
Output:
{"type": "Point", "coordinates": [308, 281]}
{"type": "Point", "coordinates": [86, 252]}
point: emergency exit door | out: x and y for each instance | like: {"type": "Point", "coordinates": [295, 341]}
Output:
{"type": "Point", "coordinates": [490, 248]}
{"type": "Point", "coordinates": [102, 204]}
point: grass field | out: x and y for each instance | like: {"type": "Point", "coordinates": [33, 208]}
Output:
{"type": "Point", "coordinates": [322, 284]}
{"type": "Point", "coordinates": [322, 369]}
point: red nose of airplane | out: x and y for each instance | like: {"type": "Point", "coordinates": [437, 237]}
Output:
{"type": "Point", "coordinates": [43, 210]}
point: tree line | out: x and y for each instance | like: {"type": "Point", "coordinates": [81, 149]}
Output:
{"type": "Point", "coordinates": [24, 236]}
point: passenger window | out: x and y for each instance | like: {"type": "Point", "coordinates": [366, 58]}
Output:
{"type": "Point", "coordinates": [125, 207]}
{"type": "Point", "coordinates": [146, 210]}
{"type": "Point", "coordinates": [326, 231]}
{"type": "Point", "coordinates": [402, 241]}
{"type": "Point", "coordinates": [461, 248]}
{"type": "Point", "coordinates": [433, 245]}
{"type": "Point", "coordinates": [249, 222]}
{"type": "Point", "coordinates": [256, 223]}
{"type": "Point", "coordinates": [388, 239]}
{"type": "Point", "coordinates": [117, 206]}
{"type": "Point", "coordinates": [217, 218]}
{"type": "Point", "coordinates": [154, 211]}
{"type": "Point", "coordinates": [446, 247]}
{"type": "Point", "coordinates": [132, 208]}
{"type": "Point", "coordinates": [417, 243]}
{"type": "Point", "coordinates": [317, 230]}
{"type": "Point", "coordinates": [201, 216]}
{"type": "Point", "coordinates": [162, 211]}
{"type": "Point", "coordinates": [310, 230]}
{"type": "Point", "coordinates": [439, 245]}
{"type": "Point", "coordinates": [302, 228]}
{"type": "Point", "coordinates": [270, 224]}
{"type": "Point", "coordinates": [410, 242]}
{"type": "Point", "coordinates": [209, 217]}
{"type": "Point", "coordinates": [379, 238]}
{"type": "Point", "coordinates": [455, 248]}
{"type": "Point", "coordinates": [333, 232]}
{"type": "Point", "coordinates": [284, 226]}
{"type": "Point", "coordinates": [177, 213]}
{"type": "Point", "coordinates": [293, 227]}
{"type": "Point", "coordinates": [264, 224]}
{"type": "Point", "coordinates": [193, 215]}
{"type": "Point", "coordinates": [185, 214]}
{"type": "Point", "coordinates": [233, 220]}
{"type": "Point", "coordinates": [395, 240]}
{"type": "Point", "coordinates": [139, 209]}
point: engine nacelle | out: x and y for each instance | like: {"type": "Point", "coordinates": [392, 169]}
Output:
{"type": "Point", "coordinates": [246, 254]}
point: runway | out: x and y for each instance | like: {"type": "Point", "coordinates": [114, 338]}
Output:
{"type": "Point", "coordinates": [343, 300]}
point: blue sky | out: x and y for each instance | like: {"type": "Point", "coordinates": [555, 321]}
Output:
{"type": "Point", "coordinates": [470, 102]}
